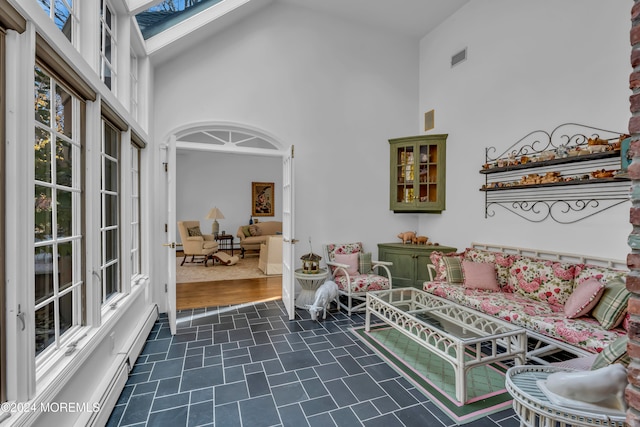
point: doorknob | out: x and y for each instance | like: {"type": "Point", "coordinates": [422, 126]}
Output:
{"type": "Point", "coordinates": [171, 245]}
{"type": "Point", "coordinates": [292, 241]}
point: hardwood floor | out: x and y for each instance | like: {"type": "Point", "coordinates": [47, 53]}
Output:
{"type": "Point", "coordinates": [227, 292]}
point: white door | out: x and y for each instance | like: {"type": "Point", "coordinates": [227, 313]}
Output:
{"type": "Point", "coordinates": [170, 176]}
{"type": "Point", "coordinates": [288, 239]}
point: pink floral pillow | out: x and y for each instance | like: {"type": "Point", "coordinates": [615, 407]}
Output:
{"type": "Point", "coordinates": [584, 297]}
{"type": "Point", "coordinates": [350, 259]}
{"type": "Point", "coordinates": [480, 275]}
{"type": "Point", "coordinates": [542, 280]}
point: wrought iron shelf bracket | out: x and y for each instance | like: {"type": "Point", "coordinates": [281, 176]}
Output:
{"type": "Point", "coordinates": [576, 196]}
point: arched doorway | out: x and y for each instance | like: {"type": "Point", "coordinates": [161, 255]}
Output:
{"type": "Point", "coordinates": [238, 140]}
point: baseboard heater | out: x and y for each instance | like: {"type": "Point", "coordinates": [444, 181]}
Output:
{"type": "Point", "coordinates": [120, 373]}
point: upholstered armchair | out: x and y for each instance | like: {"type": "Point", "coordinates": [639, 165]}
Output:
{"type": "Point", "coordinates": [194, 243]}
{"type": "Point", "coordinates": [355, 274]}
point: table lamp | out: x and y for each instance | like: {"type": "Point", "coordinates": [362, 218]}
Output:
{"type": "Point", "coordinates": [215, 214]}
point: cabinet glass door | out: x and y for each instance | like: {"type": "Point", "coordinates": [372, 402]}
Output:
{"type": "Point", "coordinates": [428, 173]}
{"type": "Point", "coordinates": [405, 173]}
{"type": "Point", "coordinates": [418, 173]}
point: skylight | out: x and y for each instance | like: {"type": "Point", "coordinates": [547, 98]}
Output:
{"type": "Point", "coordinates": [169, 13]}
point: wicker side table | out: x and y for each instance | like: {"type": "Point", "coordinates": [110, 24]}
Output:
{"type": "Point", "coordinates": [309, 283]}
{"type": "Point", "coordinates": [536, 410]}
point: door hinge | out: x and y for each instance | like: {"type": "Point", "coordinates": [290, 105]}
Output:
{"type": "Point", "coordinates": [166, 288]}
{"type": "Point", "coordinates": [292, 151]}
{"type": "Point", "coordinates": [166, 228]}
{"type": "Point", "coordinates": [166, 166]}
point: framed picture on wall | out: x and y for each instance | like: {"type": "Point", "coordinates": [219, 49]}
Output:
{"type": "Point", "coordinates": [262, 198]}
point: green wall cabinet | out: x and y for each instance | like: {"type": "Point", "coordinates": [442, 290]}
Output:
{"type": "Point", "coordinates": [418, 173]}
{"type": "Point", "coordinates": [409, 262]}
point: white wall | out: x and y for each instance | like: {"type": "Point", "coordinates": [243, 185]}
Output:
{"type": "Point", "coordinates": [336, 90]}
{"type": "Point", "coordinates": [207, 179]}
{"type": "Point", "coordinates": [530, 66]}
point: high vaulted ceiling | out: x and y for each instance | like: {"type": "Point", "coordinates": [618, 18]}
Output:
{"type": "Point", "coordinates": [411, 18]}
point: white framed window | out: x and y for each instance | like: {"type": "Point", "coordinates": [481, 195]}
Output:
{"type": "Point", "coordinates": [108, 45]}
{"type": "Point", "coordinates": [58, 217]}
{"type": "Point", "coordinates": [135, 211]}
{"type": "Point", "coordinates": [110, 215]}
{"type": "Point", "coordinates": [133, 79]}
{"type": "Point", "coordinates": [64, 14]}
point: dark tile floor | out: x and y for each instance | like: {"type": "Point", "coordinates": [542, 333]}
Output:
{"type": "Point", "coordinates": [250, 366]}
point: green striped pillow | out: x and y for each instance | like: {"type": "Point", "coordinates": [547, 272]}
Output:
{"type": "Point", "coordinates": [616, 352]}
{"type": "Point", "coordinates": [364, 262]}
{"type": "Point", "coordinates": [453, 267]}
{"type": "Point", "coordinates": [612, 307]}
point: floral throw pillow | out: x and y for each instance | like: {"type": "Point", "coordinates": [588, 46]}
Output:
{"type": "Point", "coordinates": [542, 280]}
{"type": "Point", "coordinates": [438, 262]}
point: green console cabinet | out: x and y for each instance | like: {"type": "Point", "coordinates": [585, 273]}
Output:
{"type": "Point", "coordinates": [418, 173]}
{"type": "Point", "coordinates": [409, 262]}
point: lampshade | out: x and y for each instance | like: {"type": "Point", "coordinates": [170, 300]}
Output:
{"type": "Point", "coordinates": [215, 214]}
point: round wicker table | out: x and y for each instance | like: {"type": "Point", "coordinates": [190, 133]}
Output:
{"type": "Point", "coordinates": [536, 410]}
{"type": "Point", "coordinates": [309, 283]}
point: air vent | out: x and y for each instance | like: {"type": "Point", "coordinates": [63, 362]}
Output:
{"type": "Point", "coordinates": [429, 120]}
{"type": "Point", "coordinates": [459, 57]}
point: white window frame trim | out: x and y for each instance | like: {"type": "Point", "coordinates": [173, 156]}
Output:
{"type": "Point", "coordinates": [112, 31]}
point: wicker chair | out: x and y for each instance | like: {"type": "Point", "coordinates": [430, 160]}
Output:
{"type": "Point", "coordinates": [355, 280]}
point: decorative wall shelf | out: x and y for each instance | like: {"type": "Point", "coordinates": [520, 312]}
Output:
{"type": "Point", "coordinates": [567, 175]}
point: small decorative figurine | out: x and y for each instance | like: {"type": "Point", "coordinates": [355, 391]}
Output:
{"type": "Point", "coordinates": [407, 236]}
{"type": "Point", "coordinates": [420, 240]}
{"type": "Point", "coordinates": [562, 151]}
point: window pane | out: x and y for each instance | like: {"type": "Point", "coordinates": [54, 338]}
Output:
{"type": "Point", "coordinates": [110, 175]}
{"type": "Point", "coordinates": [43, 97]}
{"type": "Point", "coordinates": [44, 273]}
{"type": "Point", "coordinates": [45, 327]}
{"type": "Point", "coordinates": [111, 281]}
{"type": "Point", "coordinates": [111, 245]}
{"type": "Point", "coordinates": [106, 72]}
{"type": "Point", "coordinates": [111, 141]}
{"type": "Point", "coordinates": [62, 17]}
{"type": "Point", "coordinates": [64, 112]}
{"type": "Point", "coordinates": [42, 153]}
{"type": "Point", "coordinates": [43, 214]}
{"type": "Point", "coordinates": [107, 48]}
{"type": "Point", "coordinates": [66, 312]}
{"type": "Point", "coordinates": [65, 213]}
{"type": "Point", "coordinates": [110, 210]}
{"type": "Point", "coordinates": [65, 265]}
{"type": "Point", "coordinates": [64, 166]}
{"type": "Point", "coordinates": [107, 17]}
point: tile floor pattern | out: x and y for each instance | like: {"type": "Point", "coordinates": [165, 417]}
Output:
{"type": "Point", "coordinates": [250, 366]}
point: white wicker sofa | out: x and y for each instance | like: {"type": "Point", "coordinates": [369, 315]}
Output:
{"type": "Point", "coordinates": [533, 289]}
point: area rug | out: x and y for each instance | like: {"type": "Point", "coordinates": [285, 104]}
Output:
{"type": "Point", "coordinates": [486, 391]}
{"type": "Point", "coordinates": [246, 268]}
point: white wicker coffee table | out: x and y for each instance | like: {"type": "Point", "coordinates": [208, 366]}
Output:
{"type": "Point", "coordinates": [535, 409]}
{"type": "Point", "coordinates": [461, 336]}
